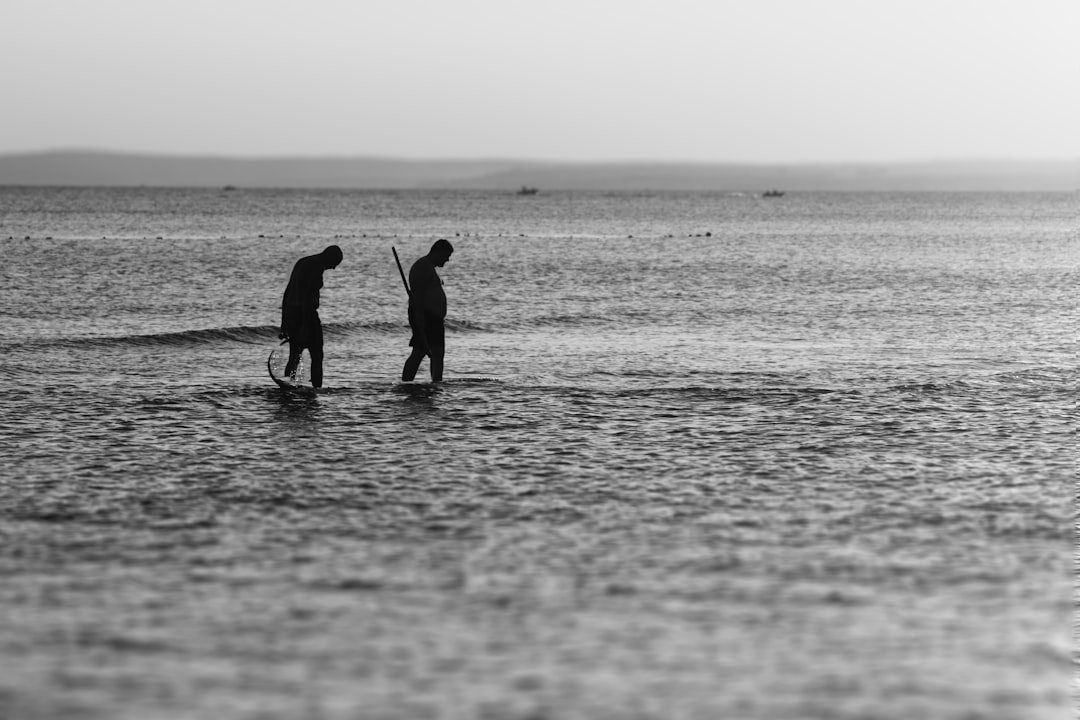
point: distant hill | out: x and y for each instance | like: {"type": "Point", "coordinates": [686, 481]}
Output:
{"type": "Point", "coordinates": [123, 169]}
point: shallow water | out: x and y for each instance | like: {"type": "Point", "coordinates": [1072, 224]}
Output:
{"type": "Point", "coordinates": [698, 456]}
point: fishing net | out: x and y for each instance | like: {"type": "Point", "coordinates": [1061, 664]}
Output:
{"type": "Point", "coordinates": [279, 357]}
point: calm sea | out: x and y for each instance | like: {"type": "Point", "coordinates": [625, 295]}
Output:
{"type": "Point", "coordinates": [698, 456]}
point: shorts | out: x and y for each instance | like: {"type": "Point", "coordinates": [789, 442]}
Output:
{"type": "Point", "coordinates": [435, 331]}
{"type": "Point", "coordinates": [303, 327]}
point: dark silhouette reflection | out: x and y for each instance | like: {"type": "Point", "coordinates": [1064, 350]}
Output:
{"type": "Point", "coordinates": [295, 411]}
{"type": "Point", "coordinates": [427, 311]}
{"type": "Point", "coordinates": [416, 400]}
{"type": "Point", "coordinates": [300, 323]}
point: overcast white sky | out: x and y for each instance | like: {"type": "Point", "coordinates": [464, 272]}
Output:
{"type": "Point", "coordinates": [699, 80]}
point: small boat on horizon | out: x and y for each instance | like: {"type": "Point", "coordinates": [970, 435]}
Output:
{"type": "Point", "coordinates": [773, 193]}
{"type": "Point", "coordinates": [526, 190]}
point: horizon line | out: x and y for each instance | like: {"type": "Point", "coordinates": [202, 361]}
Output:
{"type": "Point", "coordinates": [528, 160]}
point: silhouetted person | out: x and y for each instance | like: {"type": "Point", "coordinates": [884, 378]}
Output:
{"type": "Point", "coordinates": [300, 311]}
{"type": "Point", "coordinates": [427, 310]}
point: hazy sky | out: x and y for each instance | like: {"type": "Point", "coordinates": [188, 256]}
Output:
{"type": "Point", "coordinates": [700, 80]}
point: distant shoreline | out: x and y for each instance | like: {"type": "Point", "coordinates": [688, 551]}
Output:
{"type": "Point", "coordinates": [749, 194]}
{"type": "Point", "coordinates": [90, 168]}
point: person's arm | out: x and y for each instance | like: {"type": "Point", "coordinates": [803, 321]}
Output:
{"type": "Point", "coordinates": [302, 292]}
{"type": "Point", "coordinates": [287, 298]}
{"type": "Point", "coordinates": [310, 284]}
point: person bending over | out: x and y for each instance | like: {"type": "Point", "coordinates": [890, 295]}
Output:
{"type": "Point", "coordinates": [300, 323]}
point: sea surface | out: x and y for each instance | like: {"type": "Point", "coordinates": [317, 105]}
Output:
{"type": "Point", "coordinates": [697, 456]}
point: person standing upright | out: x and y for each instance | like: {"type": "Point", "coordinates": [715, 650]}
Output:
{"type": "Point", "coordinates": [427, 311]}
{"type": "Point", "coordinates": [300, 323]}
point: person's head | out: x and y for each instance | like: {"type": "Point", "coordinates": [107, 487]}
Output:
{"type": "Point", "coordinates": [331, 257]}
{"type": "Point", "coordinates": [441, 252]}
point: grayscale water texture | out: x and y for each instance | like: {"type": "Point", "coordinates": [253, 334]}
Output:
{"type": "Point", "coordinates": [698, 456]}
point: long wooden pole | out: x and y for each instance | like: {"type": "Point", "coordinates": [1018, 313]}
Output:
{"type": "Point", "coordinates": [400, 270]}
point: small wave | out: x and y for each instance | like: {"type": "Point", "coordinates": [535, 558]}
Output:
{"type": "Point", "coordinates": [244, 334]}
{"type": "Point", "coordinates": [389, 328]}
{"type": "Point", "coordinates": [1040, 379]}
{"type": "Point", "coordinates": [252, 335]}
{"type": "Point", "coordinates": [466, 326]}
{"type": "Point", "coordinates": [350, 328]}
{"type": "Point", "coordinates": [927, 388]}
{"type": "Point", "coordinates": [568, 320]}
{"type": "Point", "coordinates": [475, 381]}
{"type": "Point", "coordinates": [247, 334]}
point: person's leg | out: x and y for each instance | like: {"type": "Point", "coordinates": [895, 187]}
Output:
{"type": "Point", "coordinates": [294, 329]}
{"type": "Point", "coordinates": [437, 346]}
{"type": "Point", "coordinates": [315, 350]}
{"type": "Point", "coordinates": [295, 350]}
{"type": "Point", "coordinates": [437, 352]}
{"type": "Point", "coordinates": [316, 353]}
{"type": "Point", "coordinates": [412, 364]}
